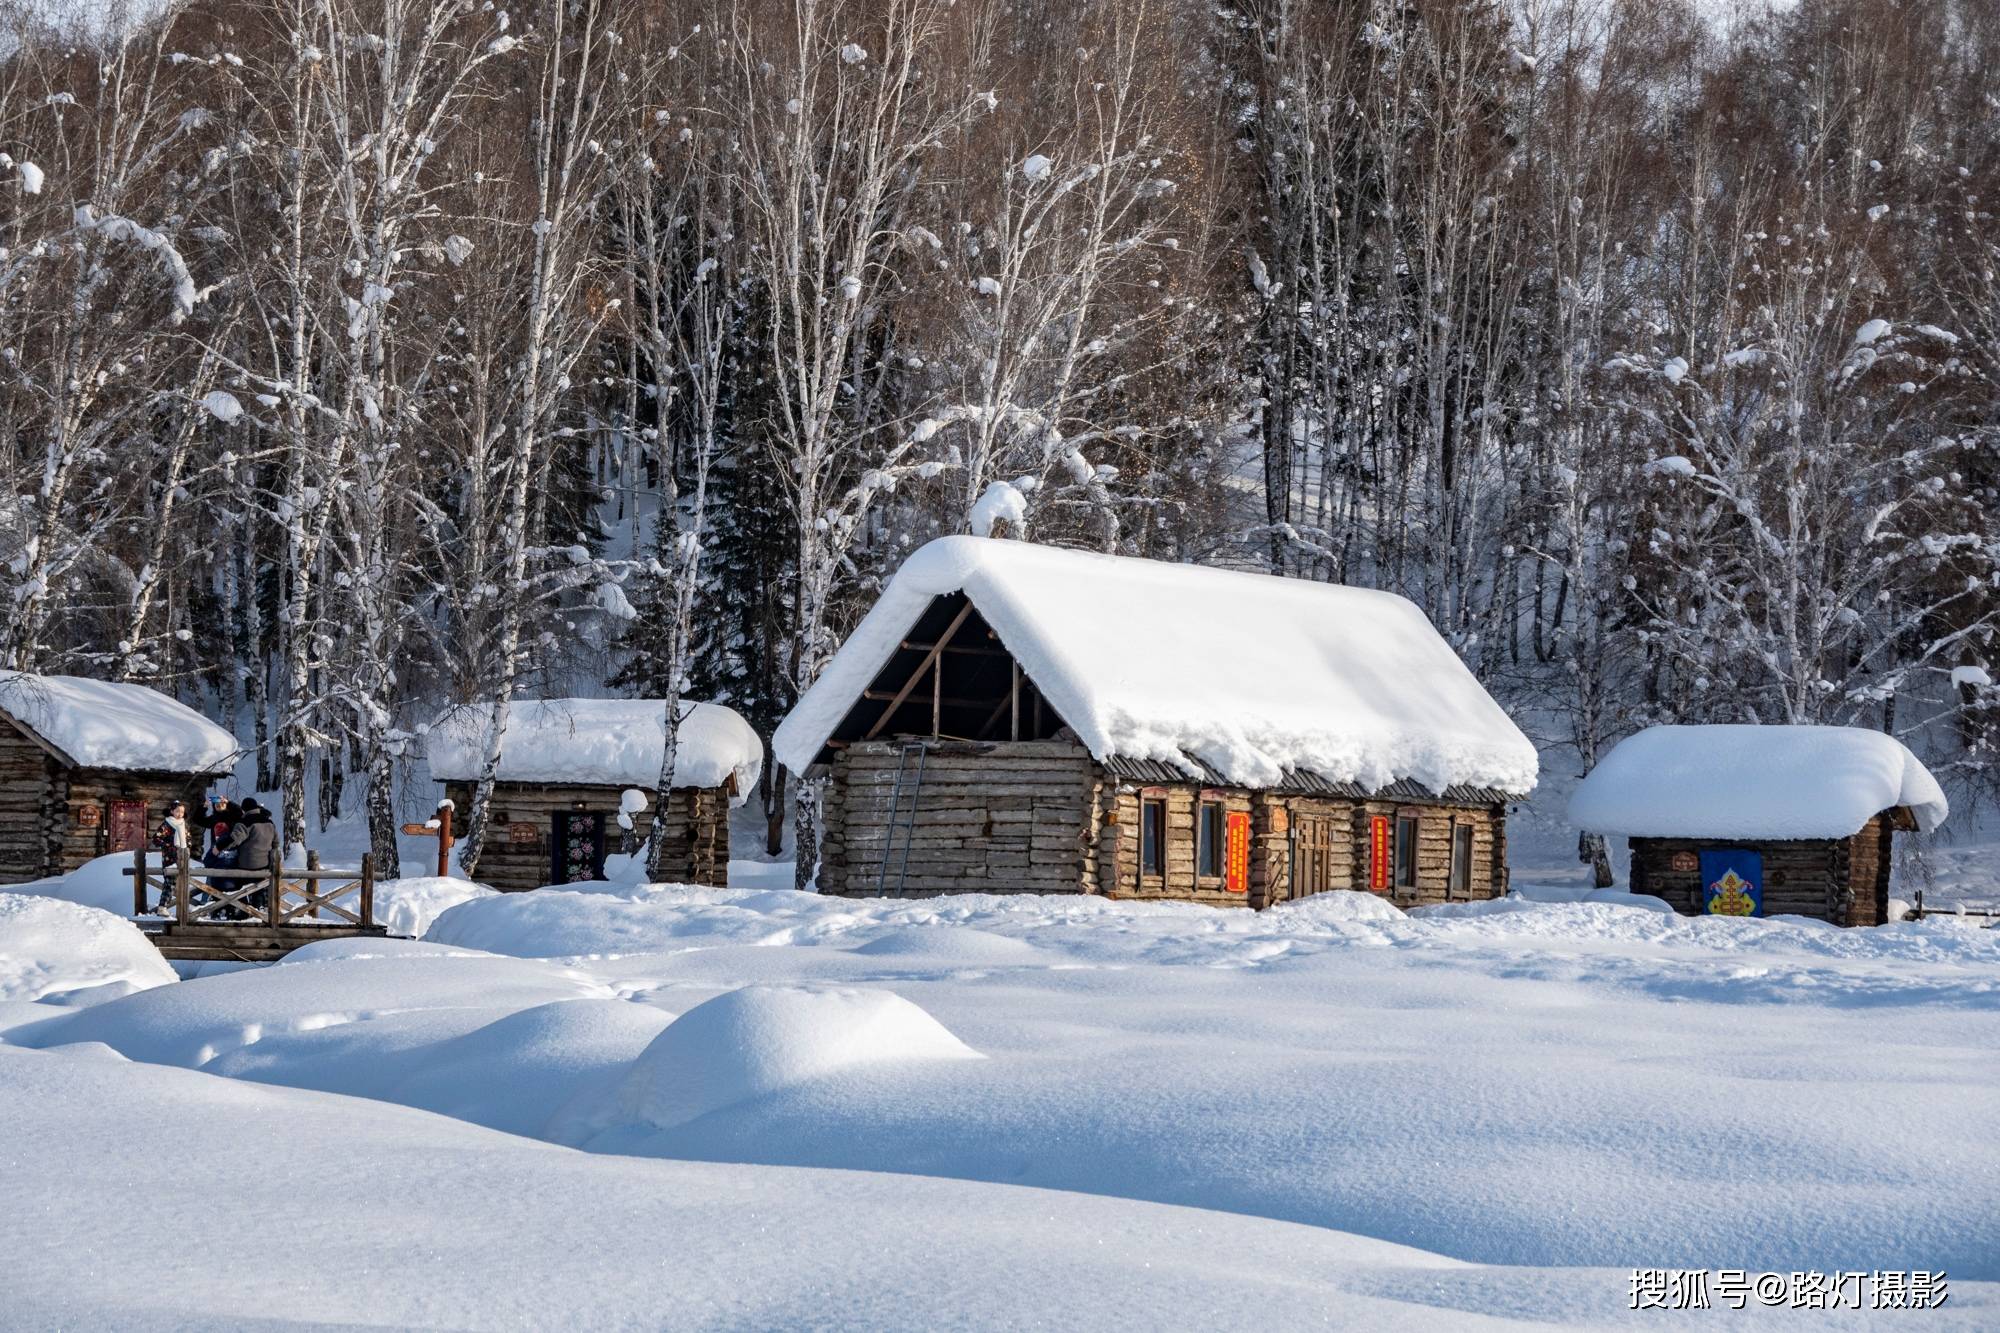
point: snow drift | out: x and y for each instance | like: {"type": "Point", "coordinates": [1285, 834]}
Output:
{"type": "Point", "coordinates": [50, 948]}
{"type": "Point", "coordinates": [1250, 674]}
{"type": "Point", "coordinates": [408, 906]}
{"type": "Point", "coordinates": [100, 882]}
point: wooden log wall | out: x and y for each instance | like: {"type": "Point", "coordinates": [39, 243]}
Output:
{"type": "Point", "coordinates": [1284, 831]}
{"type": "Point", "coordinates": [1042, 817]}
{"type": "Point", "coordinates": [1270, 849]}
{"type": "Point", "coordinates": [519, 854]}
{"type": "Point", "coordinates": [28, 820]}
{"type": "Point", "coordinates": [76, 841]}
{"type": "Point", "coordinates": [1828, 879]}
{"type": "Point", "coordinates": [1120, 874]}
{"type": "Point", "coordinates": [1437, 823]}
{"type": "Point", "coordinates": [1868, 874]}
{"type": "Point", "coordinates": [989, 817]}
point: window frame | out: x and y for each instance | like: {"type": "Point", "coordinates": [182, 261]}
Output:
{"type": "Point", "coordinates": [1152, 837]}
{"type": "Point", "coordinates": [1398, 863]}
{"type": "Point", "coordinates": [1458, 878]}
{"type": "Point", "coordinates": [1211, 844]}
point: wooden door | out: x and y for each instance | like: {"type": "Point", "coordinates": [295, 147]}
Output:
{"type": "Point", "coordinates": [127, 826]}
{"type": "Point", "coordinates": [1312, 855]}
{"type": "Point", "coordinates": [576, 840]}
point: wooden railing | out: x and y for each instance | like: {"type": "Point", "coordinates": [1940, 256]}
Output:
{"type": "Point", "coordinates": [191, 893]}
{"type": "Point", "coordinates": [1918, 911]}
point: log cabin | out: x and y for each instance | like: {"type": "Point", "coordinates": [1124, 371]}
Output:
{"type": "Point", "coordinates": [560, 799]}
{"type": "Point", "coordinates": [89, 767]}
{"type": "Point", "coordinates": [1762, 820]}
{"type": "Point", "coordinates": [1020, 718]}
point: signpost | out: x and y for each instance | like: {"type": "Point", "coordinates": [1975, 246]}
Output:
{"type": "Point", "coordinates": [439, 827]}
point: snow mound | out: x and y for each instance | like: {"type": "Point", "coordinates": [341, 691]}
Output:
{"type": "Point", "coordinates": [351, 947]}
{"type": "Point", "coordinates": [762, 1039]}
{"type": "Point", "coordinates": [603, 920]}
{"type": "Point", "coordinates": [600, 742]}
{"type": "Point", "coordinates": [51, 950]}
{"type": "Point", "coordinates": [408, 906]}
{"type": "Point", "coordinates": [100, 882]}
{"type": "Point", "coordinates": [129, 728]}
{"type": "Point", "coordinates": [1747, 781]}
{"type": "Point", "coordinates": [1348, 683]}
{"type": "Point", "coordinates": [517, 1073]}
{"type": "Point", "coordinates": [1336, 906]}
{"type": "Point", "coordinates": [951, 944]}
{"type": "Point", "coordinates": [1644, 902]}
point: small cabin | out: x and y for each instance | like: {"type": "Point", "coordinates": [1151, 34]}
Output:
{"type": "Point", "coordinates": [1020, 718]}
{"type": "Point", "coordinates": [1762, 820]}
{"type": "Point", "coordinates": [89, 767]}
{"type": "Point", "coordinates": [577, 781]}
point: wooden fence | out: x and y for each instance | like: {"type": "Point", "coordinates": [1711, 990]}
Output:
{"type": "Point", "coordinates": [194, 894]}
{"type": "Point", "coordinates": [1918, 911]}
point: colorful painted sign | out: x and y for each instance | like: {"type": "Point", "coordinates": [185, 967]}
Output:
{"type": "Point", "coordinates": [1378, 853]}
{"type": "Point", "coordinates": [1732, 883]}
{"type": "Point", "coordinates": [1236, 853]}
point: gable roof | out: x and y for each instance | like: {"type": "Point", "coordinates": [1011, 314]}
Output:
{"type": "Point", "coordinates": [1748, 781]}
{"type": "Point", "coordinates": [599, 743]}
{"type": "Point", "coordinates": [1244, 676]}
{"type": "Point", "coordinates": [109, 725]}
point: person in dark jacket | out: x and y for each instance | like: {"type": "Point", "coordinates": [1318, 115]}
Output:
{"type": "Point", "coordinates": [254, 840]}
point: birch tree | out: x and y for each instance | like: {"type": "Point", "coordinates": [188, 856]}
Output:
{"type": "Point", "coordinates": [570, 56]}
{"type": "Point", "coordinates": [837, 122]}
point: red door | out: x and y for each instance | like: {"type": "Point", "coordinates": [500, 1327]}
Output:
{"type": "Point", "coordinates": [127, 826]}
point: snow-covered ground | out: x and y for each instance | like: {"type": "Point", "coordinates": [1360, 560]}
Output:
{"type": "Point", "coordinates": [797, 1109]}
{"type": "Point", "coordinates": [157, 1198]}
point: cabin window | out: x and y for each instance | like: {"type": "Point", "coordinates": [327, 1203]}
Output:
{"type": "Point", "coordinates": [1152, 837]}
{"type": "Point", "coordinates": [1461, 861]}
{"type": "Point", "coordinates": [1406, 851]}
{"type": "Point", "coordinates": [1208, 840]}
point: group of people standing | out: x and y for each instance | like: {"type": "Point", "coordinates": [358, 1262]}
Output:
{"type": "Point", "coordinates": [239, 836]}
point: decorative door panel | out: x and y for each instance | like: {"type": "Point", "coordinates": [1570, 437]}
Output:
{"type": "Point", "coordinates": [127, 826]}
{"type": "Point", "coordinates": [577, 841]}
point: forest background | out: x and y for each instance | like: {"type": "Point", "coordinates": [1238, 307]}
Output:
{"type": "Point", "coordinates": [362, 358]}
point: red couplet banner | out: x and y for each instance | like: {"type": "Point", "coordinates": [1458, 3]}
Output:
{"type": "Point", "coordinates": [1378, 852]}
{"type": "Point", "coordinates": [1236, 853]}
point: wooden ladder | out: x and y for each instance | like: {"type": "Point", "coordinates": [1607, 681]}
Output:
{"type": "Point", "coordinates": [911, 783]}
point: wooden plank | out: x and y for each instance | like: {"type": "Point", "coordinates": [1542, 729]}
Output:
{"type": "Point", "coordinates": [915, 676]}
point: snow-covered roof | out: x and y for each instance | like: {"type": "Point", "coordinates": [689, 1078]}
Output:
{"type": "Point", "coordinates": [105, 724]}
{"type": "Point", "coordinates": [1754, 782]}
{"type": "Point", "coordinates": [1253, 676]}
{"type": "Point", "coordinates": [600, 743]}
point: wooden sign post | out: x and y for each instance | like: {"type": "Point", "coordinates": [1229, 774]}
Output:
{"type": "Point", "coordinates": [438, 827]}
